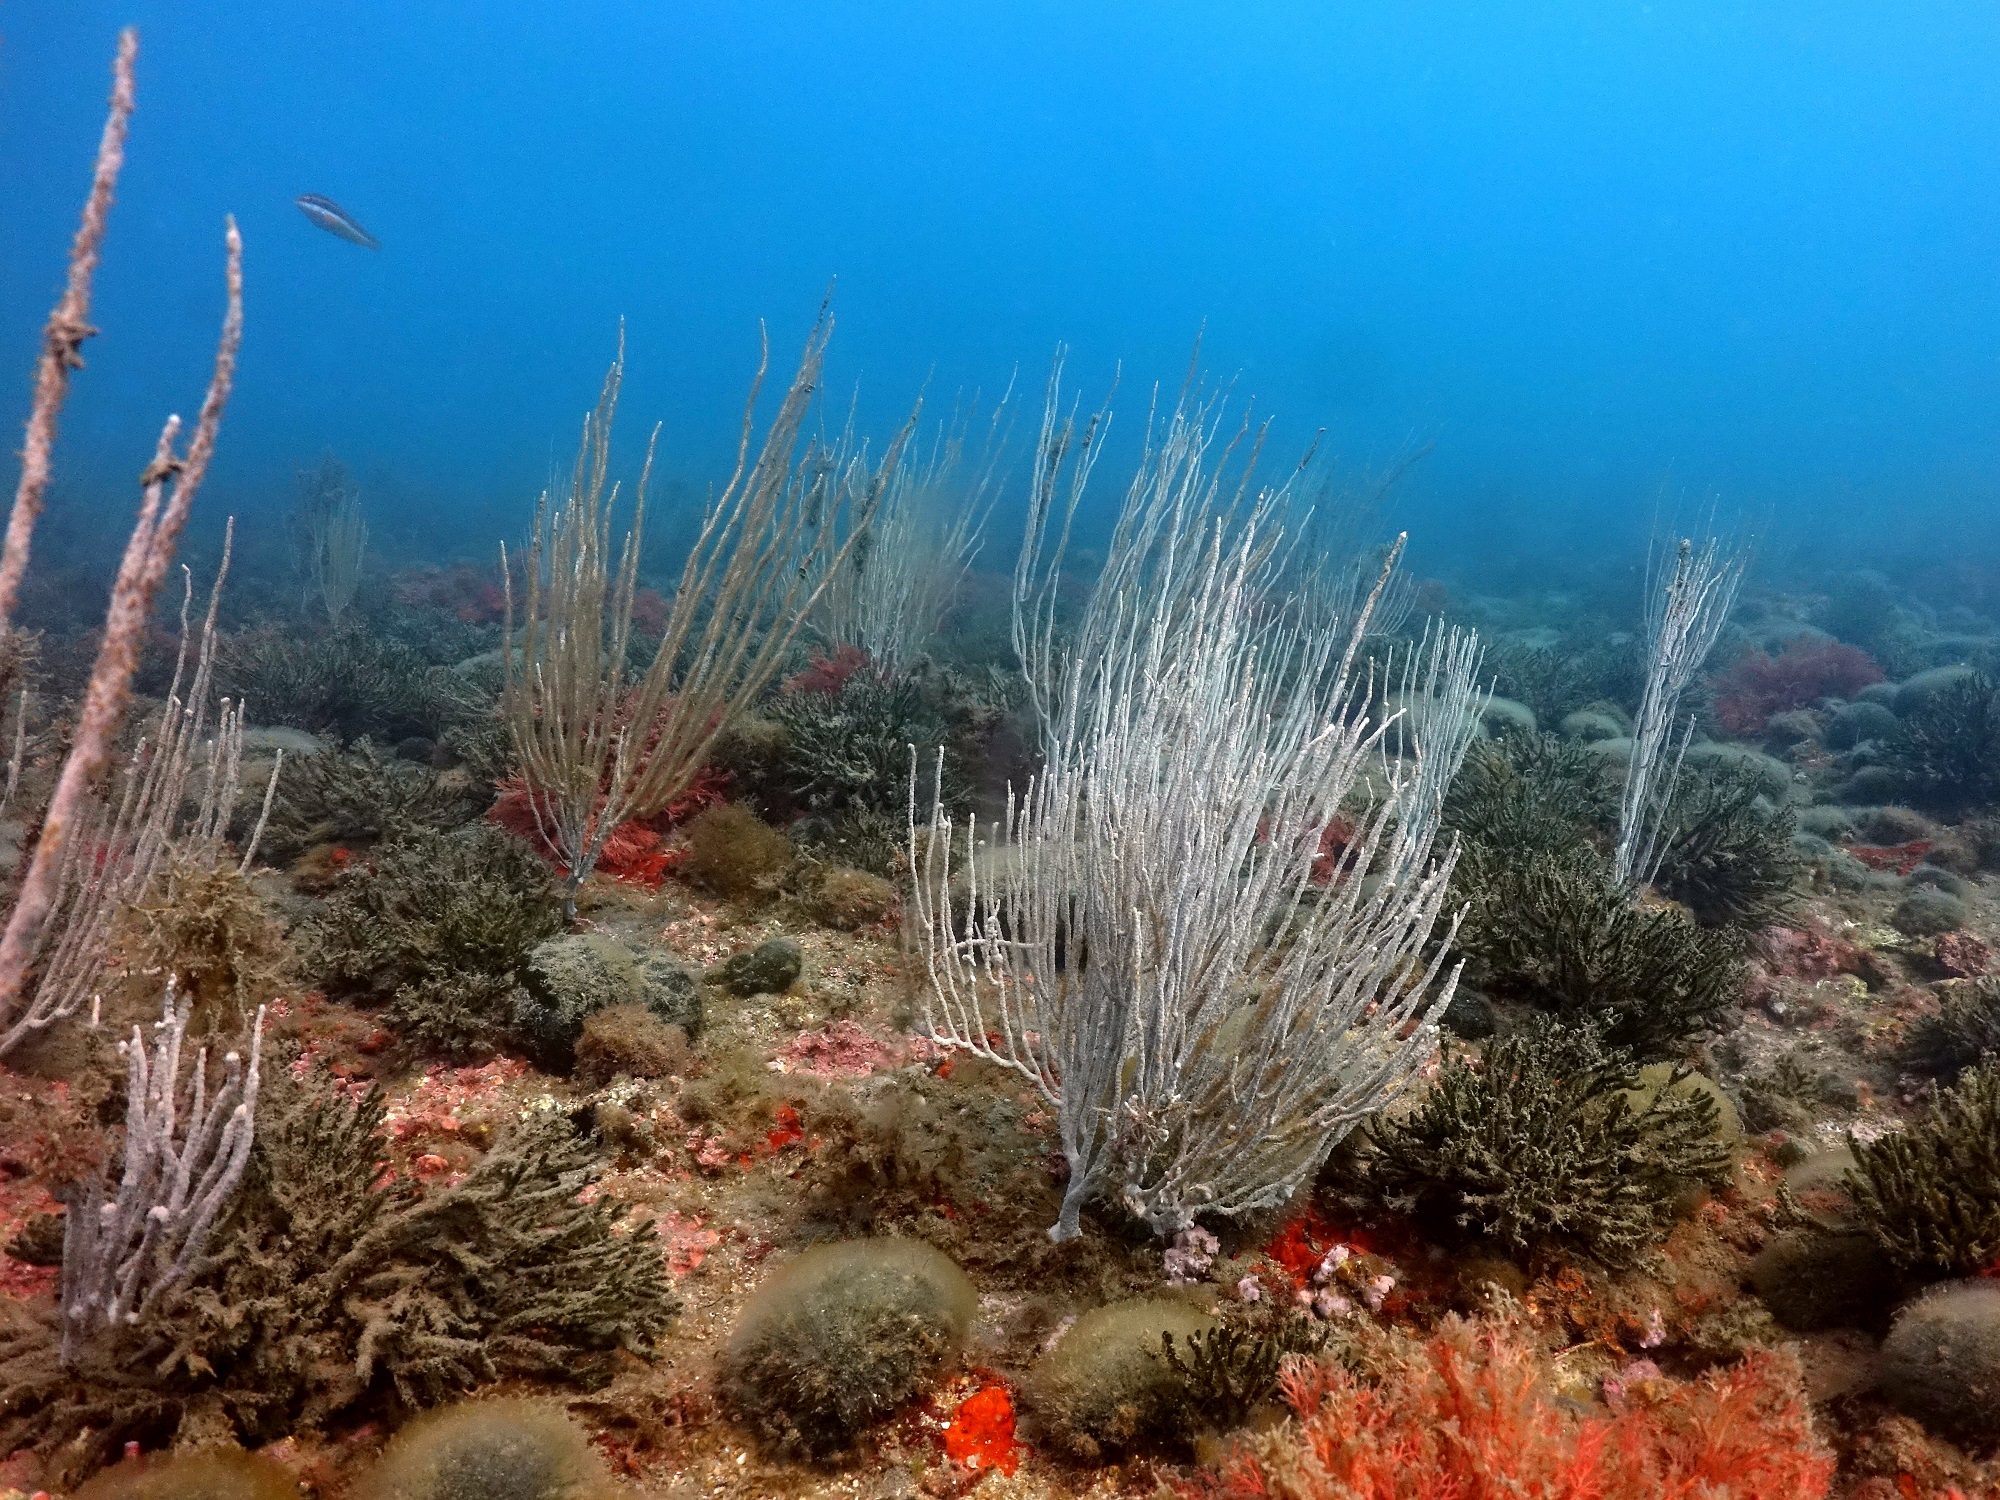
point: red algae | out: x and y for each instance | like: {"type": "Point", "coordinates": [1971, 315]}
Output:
{"type": "Point", "coordinates": [981, 1434]}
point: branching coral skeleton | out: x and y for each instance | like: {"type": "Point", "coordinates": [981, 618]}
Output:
{"type": "Point", "coordinates": [1149, 940]}
{"type": "Point", "coordinates": [122, 1255]}
{"type": "Point", "coordinates": [168, 487]}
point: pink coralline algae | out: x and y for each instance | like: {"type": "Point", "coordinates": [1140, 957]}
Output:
{"type": "Point", "coordinates": [687, 1240]}
{"type": "Point", "coordinates": [1963, 956]}
{"type": "Point", "coordinates": [842, 1050]}
{"type": "Point", "coordinates": [444, 1103]}
{"type": "Point", "coordinates": [1808, 952]}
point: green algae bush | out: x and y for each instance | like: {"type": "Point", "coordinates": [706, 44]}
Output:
{"type": "Point", "coordinates": [331, 1293]}
{"type": "Point", "coordinates": [436, 926]}
{"type": "Point", "coordinates": [508, 1449]}
{"type": "Point", "coordinates": [1544, 1146]}
{"type": "Point", "coordinates": [1931, 1193]}
{"type": "Point", "coordinates": [841, 1337]}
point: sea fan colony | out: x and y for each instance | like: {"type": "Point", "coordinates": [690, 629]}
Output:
{"type": "Point", "coordinates": [1158, 945]}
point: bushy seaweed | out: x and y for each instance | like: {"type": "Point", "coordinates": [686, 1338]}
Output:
{"type": "Point", "coordinates": [362, 795]}
{"type": "Point", "coordinates": [1227, 1372]}
{"type": "Point", "coordinates": [1964, 1033]}
{"type": "Point", "coordinates": [1555, 930]}
{"type": "Point", "coordinates": [1544, 1146]}
{"type": "Point", "coordinates": [347, 683]}
{"type": "Point", "coordinates": [1729, 856]}
{"type": "Point", "coordinates": [1948, 746]}
{"type": "Point", "coordinates": [1930, 1194]}
{"type": "Point", "coordinates": [1553, 681]}
{"type": "Point", "coordinates": [330, 1290]}
{"type": "Point", "coordinates": [836, 761]}
{"type": "Point", "coordinates": [221, 942]}
{"type": "Point", "coordinates": [437, 926]}
{"type": "Point", "coordinates": [1525, 794]}
{"type": "Point", "coordinates": [1545, 923]}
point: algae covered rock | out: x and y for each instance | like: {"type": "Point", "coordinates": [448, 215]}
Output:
{"type": "Point", "coordinates": [1728, 1129]}
{"type": "Point", "coordinates": [488, 1450]}
{"type": "Point", "coordinates": [1816, 1278]}
{"type": "Point", "coordinates": [1771, 776]}
{"type": "Point", "coordinates": [568, 979]}
{"type": "Point", "coordinates": [770, 968]}
{"type": "Point", "coordinates": [223, 1474]}
{"type": "Point", "coordinates": [1941, 1361]}
{"type": "Point", "coordinates": [1920, 691]}
{"type": "Point", "coordinates": [840, 1337]}
{"type": "Point", "coordinates": [1818, 1184]}
{"type": "Point", "coordinates": [1594, 724]}
{"type": "Point", "coordinates": [1827, 821]}
{"type": "Point", "coordinates": [1872, 784]}
{"type": "Point", "coordinates": [850, 899]}
{"type": "Point", "coordinates": [1928, 911]}
{"type": "Point", "coordinates": [1107, 1386]}
{"type": "Point", "coordinates": [1505, 716]}
{"type": "Point", "coordinates": [1857, 722]}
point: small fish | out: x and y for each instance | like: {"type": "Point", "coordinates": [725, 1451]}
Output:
{"type": "Point", "coordinates": [334, 219]}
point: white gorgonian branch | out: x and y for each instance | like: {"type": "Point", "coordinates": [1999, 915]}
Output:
{"type": "Point", "coordinates": [185, 1151]}
{"type": "Point", "coordinates": [1185, 932]}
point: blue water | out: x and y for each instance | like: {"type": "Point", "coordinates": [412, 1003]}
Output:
{"type": "Point", "coordinates": [1597, 252]}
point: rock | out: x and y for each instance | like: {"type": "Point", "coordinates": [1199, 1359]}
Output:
{"type": "Point", "coordinates": [1941, 1361]}
{"type": "Point", "coordinates": [1857, 722]}
{"type": "Point", "coordinates": [1470, 1015]}
{"type": "Point", "coordinates": [770, 968]}
{"type": "Point", "coordinates": [570, 978]}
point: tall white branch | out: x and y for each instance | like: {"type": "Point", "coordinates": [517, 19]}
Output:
{"type": "Point", "coordinates": [1157, 936]}
{"type": "Point", "coordinates": [1685, 613]}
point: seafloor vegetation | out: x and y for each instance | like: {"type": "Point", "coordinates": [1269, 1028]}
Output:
{"type": "Point", "coordinates": [480, 1033]}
